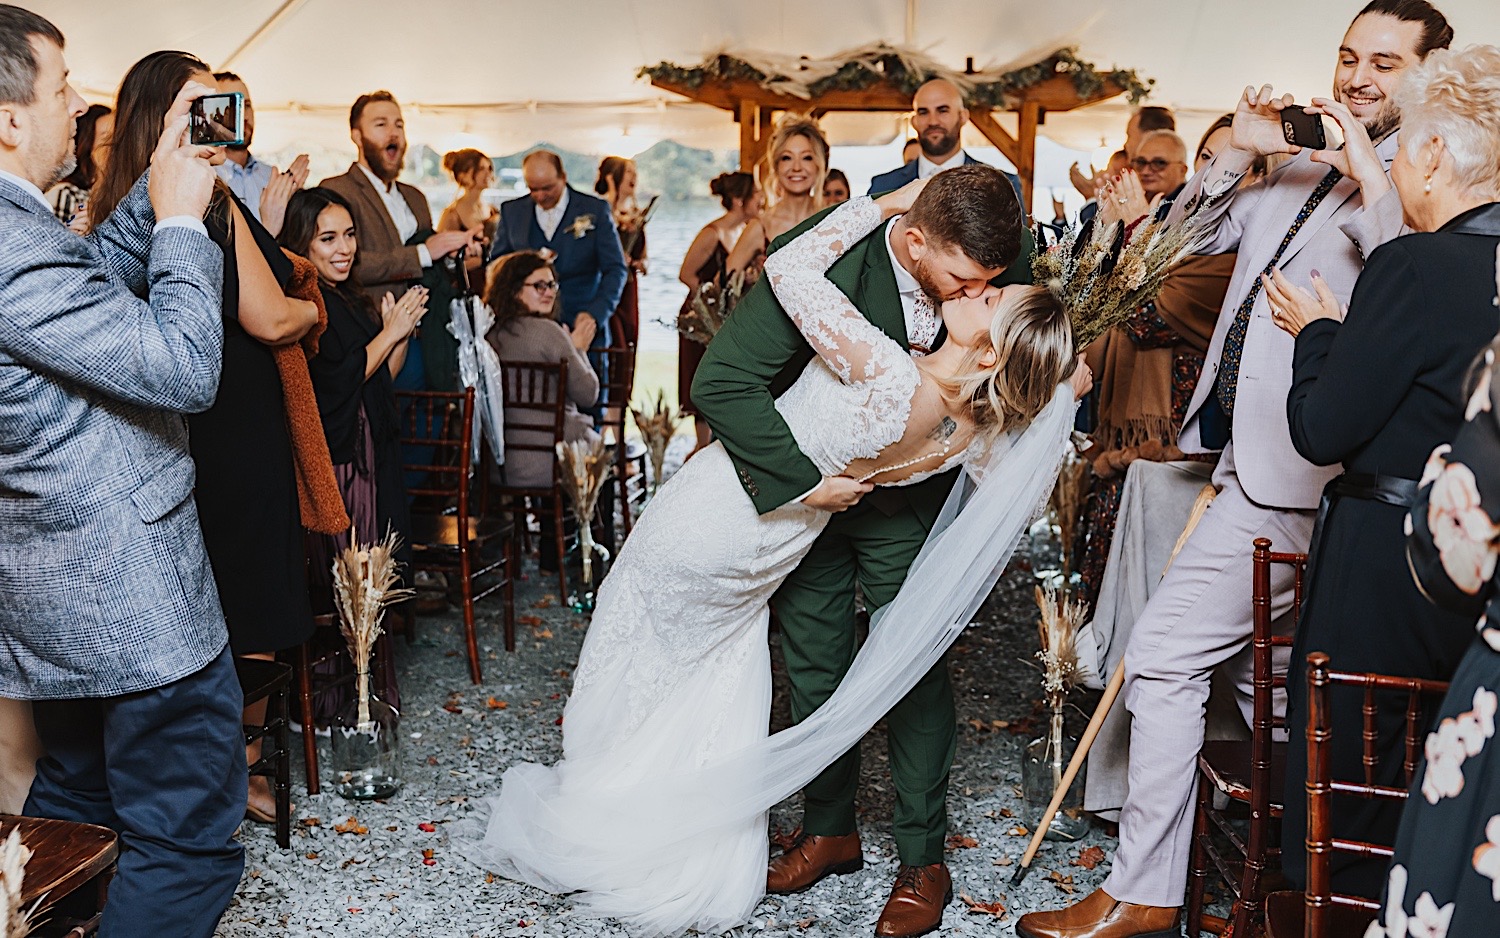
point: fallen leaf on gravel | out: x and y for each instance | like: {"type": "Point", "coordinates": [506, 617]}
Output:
{"type": "Point", "coordinates": [1065, 883]}
{"type": "Point", "coordinates": [351, 826]}
{"type": "Point", "coordinates": [427, 854]}
{"type": "Point", "coordinates": [489, 877]}
{"type": "Point", "coordinates": [543, 603]}
{"type": "Point", "coordinates": [1089, 857]}
{"type": "Point", "coordinates": [313, 855]}
{"type": "Point", "coordinates": [495, 704]}
{"type": "Point", "coordinates": [961, 842]}
{"type": "Point", "coordinates": [432, 760]}
{"type": "Point", "coordinates": [1004, 861]}
{"type": "Point", "coordinates": [311, 821]}
{"type": "Point", "coordinates": [988, 908]}
{"type": "Point", "coordinates": [393, 828]}
{"type": "Point", "coordinates": [529, 620]}
{"type": "Point", "coordinates": [1000, 724]}
{"type": "Point", "coordinates": [541, 633]}
{"type": "Point", "coordinates": [465, 741]}
{"type": "Point", "coordinates": [557, 722]}
{"type": "Point", "coordinates": [1006, 812]}
{"type": "Point", "coordinates": [805, 923]}
{"type": "Point", "coordinates": [425, 826]}
{"type": "Point", "coordinates": [1019, 831]}
{"type": "Point", "coordinates": [355, 910]}
{"type": "Point", "coordinates": [350, 862]}
{"type": "Point", "coordinates": [452, 707]}
{"type": "Point", "coordinates": [564, 672]}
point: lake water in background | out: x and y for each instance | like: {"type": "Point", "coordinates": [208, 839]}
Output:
{"type": "Point", "coordinates": [673, 227]}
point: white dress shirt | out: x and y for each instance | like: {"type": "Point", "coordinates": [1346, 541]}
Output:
{"type": "Point", "coordinates": [549, 218]}
{"type": "Point", "coordinates": [401, 214]}
{"type": "Point", "coordinates": [917, 308]}
{"type": "Point", "coordinates": [926, 168]}
{"type": "Point", "coordinates": [176, 221]}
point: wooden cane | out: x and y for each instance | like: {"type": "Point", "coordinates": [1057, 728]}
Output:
{"type": "Point", "coordinates": [1116, 681]}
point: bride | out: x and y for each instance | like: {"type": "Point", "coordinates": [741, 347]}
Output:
{"type": "Point", "coordinates": [656, 814]}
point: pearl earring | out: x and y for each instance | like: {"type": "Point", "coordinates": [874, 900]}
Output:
{"type": "Point", "coordinates": [1428, 188]}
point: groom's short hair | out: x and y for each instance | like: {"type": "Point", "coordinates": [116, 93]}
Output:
{"type": "Point", "coordinates": [974, 208]}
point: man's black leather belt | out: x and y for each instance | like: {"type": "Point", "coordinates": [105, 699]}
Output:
{"type": "Point", "coordinates": [1392, 490]}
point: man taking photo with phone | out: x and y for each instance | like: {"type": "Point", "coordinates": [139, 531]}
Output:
{"type": "Point", "coordinates": [1323, 211]}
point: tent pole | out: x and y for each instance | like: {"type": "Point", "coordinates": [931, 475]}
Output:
{"type": "Point", "coordinates": [287, 8]}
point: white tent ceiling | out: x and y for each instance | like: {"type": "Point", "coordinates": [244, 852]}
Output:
{"type": "Point", "coordinates": [502, 74]}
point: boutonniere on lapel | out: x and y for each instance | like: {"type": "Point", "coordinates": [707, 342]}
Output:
{"type": "Point", "coordinates": [581, 226]}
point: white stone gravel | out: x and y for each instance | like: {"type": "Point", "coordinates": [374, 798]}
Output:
{"type": "Point", "coordinates": [376, 884]}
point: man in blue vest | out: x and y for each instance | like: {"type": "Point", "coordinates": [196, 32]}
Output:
{"type": "Point", "coordinates": [579, 232]}
{"type": "Point", "coordinates": [938, 116]}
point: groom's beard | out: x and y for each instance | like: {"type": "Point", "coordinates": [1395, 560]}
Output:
{"type": "Point", "coordinates": [923, 275]}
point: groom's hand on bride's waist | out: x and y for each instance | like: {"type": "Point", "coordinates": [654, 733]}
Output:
{"type": "Point", "coordinates": [836, 493]}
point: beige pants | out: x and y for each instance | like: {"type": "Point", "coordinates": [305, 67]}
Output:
{"type": "Point", "coordinates": [1197, 620]}
{"type": "Point", "coordinates": [19, 750]}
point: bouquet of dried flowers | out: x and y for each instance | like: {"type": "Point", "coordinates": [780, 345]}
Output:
{"type": "Point", "coordinates": [15, 921]}
{"type": "Point", "coordinates": [711, 304]}
{"type": "Point", "coordinates": [364, 583]}
{"type": "Point", "coordinates": [631, 221]}
{"type": "Point", "coordinates": [1101, 288]}
{"type": "Point", "coordinates": [585, 466]}
{"type": "Point", "coordinates": [1066, 504]}
{"type": "Point", "coordinates": [657, 427]}
{"type": "Point", "coordinates": [1061, 618]}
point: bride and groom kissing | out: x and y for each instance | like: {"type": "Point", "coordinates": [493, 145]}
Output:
{"type": "Point", "coordinates": [888, 420]}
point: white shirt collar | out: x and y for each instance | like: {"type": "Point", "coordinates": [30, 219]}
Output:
{"type": "Point", "coordinates": [906, 284]}
{"type": "Point", "coordinates": [380, 184]}
{"type": "Point", "coordinates": [927, 168]}
{"type": "Point", "coordinates": [26, 185]}
{"type": "Point", "coordinates": [557, 210]}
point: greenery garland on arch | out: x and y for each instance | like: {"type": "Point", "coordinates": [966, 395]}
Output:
{"type": "Point", "coordinates": [905, 69]}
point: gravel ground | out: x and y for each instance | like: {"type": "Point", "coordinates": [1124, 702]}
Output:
{"type": "Point", "coordinates": [381, 868]}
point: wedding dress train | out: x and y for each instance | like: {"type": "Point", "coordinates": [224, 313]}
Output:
{"type": "Point", "coordinates": [656, 813]}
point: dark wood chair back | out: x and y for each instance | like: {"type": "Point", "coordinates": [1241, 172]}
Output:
{"type": "Point", "coordinates": [1321, 900]}
{"type": "Point", "coordinates": [69, 871]}
{"type": "Point", "coordinates": [441, 422]}
{"type": "Point", "coordinates": [536, 398]}
{"type": "Point", "coordinates": [614, 396]}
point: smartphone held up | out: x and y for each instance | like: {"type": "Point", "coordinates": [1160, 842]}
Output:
{"type": "Point", "coordinates": [218, 120]}
{"type": "Point", "coordinates": [1302, 129]}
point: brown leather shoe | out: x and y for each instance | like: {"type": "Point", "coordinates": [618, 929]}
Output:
{"type": "Point", "coordinates": [917, 901]}
{"type": "Point", "coordinates": [811, 858]}
{"type": "Point", "coordinates": [1102, 916]}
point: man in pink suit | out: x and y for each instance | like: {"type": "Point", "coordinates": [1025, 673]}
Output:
{"type": "Point", "coordinates": [1319, 215]}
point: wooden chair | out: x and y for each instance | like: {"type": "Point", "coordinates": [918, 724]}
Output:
{"type": "Point", "coordinates": [1320, 912]}
{"type": "Point", "coordinates": [271, 681]}
{"type": "Point", "coordinates": [536, 396]}
{"type": "Point", "coordinates": [1249, 773]}
{"type": "Point", "coordinates": [69, 871]}
{"type": "Point", "coordinates": [614, 395]}
{"type": "Point", "coordinates": [446, 536]}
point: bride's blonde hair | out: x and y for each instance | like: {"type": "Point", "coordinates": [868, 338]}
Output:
{"type": "Point", "coordinates": [1033, 343]}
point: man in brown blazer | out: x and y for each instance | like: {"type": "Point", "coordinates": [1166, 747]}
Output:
{"type": "Point", "coordinates": [387, 213]}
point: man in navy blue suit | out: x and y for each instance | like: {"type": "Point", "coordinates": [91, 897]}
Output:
{"type": "Point", "coordinates": [578, 230]}
{"type": "Point", "coordinates": [938, 116]}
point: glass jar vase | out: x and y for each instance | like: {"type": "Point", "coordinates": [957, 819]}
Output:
{"type": "Point", "coordinates": [366, 747]}
{"type": "Point", "coordinates": [1042, 767]}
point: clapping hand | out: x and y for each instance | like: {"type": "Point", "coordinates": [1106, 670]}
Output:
{"type": "Point", "coordinates": [278, 192]}
{"type": "Point", "coordinates": [400, 317]}
{"type": "Point", "coordinates": [1124, 200]}
{"type": "Point", "coordinates": [1087, 186]}
{"type": "Point", "coordinates": [584, 329]}
{"type": "Point", "coordinates": [1292, 307]}
{"type": "Point", "coordinates": [1257, 123]}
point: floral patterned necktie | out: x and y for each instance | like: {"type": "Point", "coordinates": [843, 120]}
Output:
{"type": "Point", "coordinates": [924, 325]}
{"type": "Point", "coordinates": [1234, 342]}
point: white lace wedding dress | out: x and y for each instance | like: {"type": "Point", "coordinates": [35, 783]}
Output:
{"type": "Point", "coordinates": [656, 813]}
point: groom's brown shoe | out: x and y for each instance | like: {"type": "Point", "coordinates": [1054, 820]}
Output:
{"type": "Point", "coordinates": [811, 858]}
{"type": "Point", "coordinates": [1102, 916]}
{"type": "Point", "coordinates": [916, 903]}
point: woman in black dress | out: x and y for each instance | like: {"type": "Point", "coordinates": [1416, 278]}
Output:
{"type": "Point", "coordinates": [246, 489]}
{"type": "Point", "coordinates": [705, 263]}
{"type": "Point", "coordinates": [1377, 393]}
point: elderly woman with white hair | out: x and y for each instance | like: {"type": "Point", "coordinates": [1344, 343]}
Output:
{"type": "Point", "coordinates": [1377, 388]}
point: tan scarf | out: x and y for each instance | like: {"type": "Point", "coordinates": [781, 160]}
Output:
{"type": "Point", "coordinates": [318, 498]}
{"type": "Point", "coordinates": [1135, 384]}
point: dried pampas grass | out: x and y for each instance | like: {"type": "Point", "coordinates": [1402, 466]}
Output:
{"type": "Point", "coordinates": [1067, 501]}
{"type": "Point", "coordinates": [364, 583]}
{"type": "Point", "coordinates": [15, 921]}
{"type": "Point", "coordinates": [585, 466]}
{"type": "Point", "coordinates": [1058, 627]}
{"type": "Point", "coordinates": [657, 427]}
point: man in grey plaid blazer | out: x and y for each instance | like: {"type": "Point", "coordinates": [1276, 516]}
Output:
{"type": "Point", "coordinates": [109, 619]}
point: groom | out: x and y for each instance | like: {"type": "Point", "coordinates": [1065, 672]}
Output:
{"type": "Point", "coordinates": [964, 230]}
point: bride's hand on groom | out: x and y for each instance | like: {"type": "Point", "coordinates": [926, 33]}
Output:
{"type": "Point", "coordinates": [1083, 378]}
{"type": "Point", "coordinates": [899, 202]}
{"type": "Point", "coordinates": [836, 493]}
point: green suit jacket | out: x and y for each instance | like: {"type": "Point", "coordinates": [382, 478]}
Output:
{"type": "Point", "coordinates": [758, 353]}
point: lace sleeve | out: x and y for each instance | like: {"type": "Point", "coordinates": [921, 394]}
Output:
{"type": "Point", "coordinates": [853, 347]}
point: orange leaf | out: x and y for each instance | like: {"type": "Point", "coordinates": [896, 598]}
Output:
{"type": "Point", "coordinates": [961, 842]}
{"type": "Point", "coordinates": [427, 854]}
{"type": "Point", "coordinates": [495, 704]}
{"type": "Point", "coordinates": [529, 620]}
{"type": "Point", "coordinates": [988, 908]}
{"type": "Point", "coordinates": [1089, 857]}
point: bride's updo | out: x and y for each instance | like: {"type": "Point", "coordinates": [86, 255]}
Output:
{"type": "Point", "coordinates": [1033, 343]}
